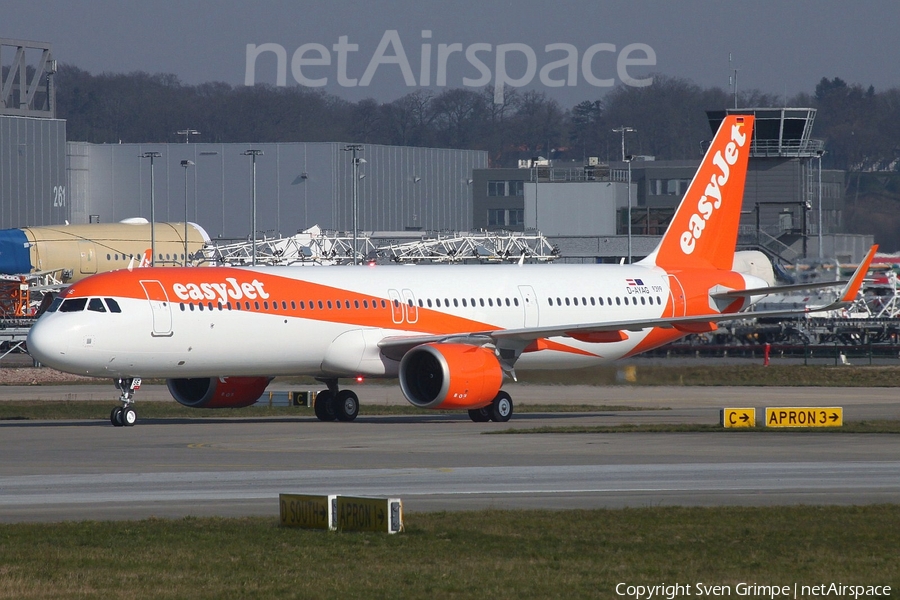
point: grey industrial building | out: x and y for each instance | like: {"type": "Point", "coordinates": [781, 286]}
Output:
{"type": "Point", "coordinates": [33, 185]}
{"type": "Point", "coordinates": [297, 185]}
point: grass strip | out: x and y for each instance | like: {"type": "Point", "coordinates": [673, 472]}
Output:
{"type": "Point", "coordinates": [712, 374]}
{"type": "Point", "coordinates": [872, 426]}
{"type": "Point", "coordinates": [496, 554]}
{"type": "Point", "coordinates": [24, 410]}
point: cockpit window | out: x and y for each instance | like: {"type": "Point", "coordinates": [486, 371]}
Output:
{"type": "Point", "coordinates": [113, 305]}
{"type": "Point", "coordinates": [96, 305]}
{"type": "Point", "coordinates": [73, 305]}
{"type": "Point", "coordinates": [55, 304]}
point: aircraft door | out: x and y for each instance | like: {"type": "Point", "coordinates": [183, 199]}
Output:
{"type": "Point", "coordinates": [530, 304]}
{"type": "Point", "coordinates": [676, 297]}
{"type": "Point", "coordinates": [396, 306]}
{"type": "Point", "coordinates": [88, 261]}
{"type": "Point", "coordinates": [161, 307]}
{"type": "Point", "coordinates": [412, 311]}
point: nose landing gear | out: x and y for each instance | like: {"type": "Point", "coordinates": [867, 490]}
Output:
{"type": "Point", "coordinates": [125, 415]}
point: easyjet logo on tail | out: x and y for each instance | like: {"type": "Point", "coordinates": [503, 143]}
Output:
{"type": "Point", "coordinates": [711, 200]}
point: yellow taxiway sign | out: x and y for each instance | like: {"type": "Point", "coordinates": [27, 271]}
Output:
{"type": "Point", "coordinates": [738, 417]}
{"type": "Point", "coordinates": [805, 416]}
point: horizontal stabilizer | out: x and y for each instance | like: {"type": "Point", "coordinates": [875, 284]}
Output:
{"type": "Point", "coordinates": [778, 289]}
{"type": "Point", "coordinates": [848, 294]}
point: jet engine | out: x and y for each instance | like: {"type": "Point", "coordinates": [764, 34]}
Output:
{"type": "Point", "coordinates": [450, 376]}
{"type": "Point", "coordinates": [217, 392]}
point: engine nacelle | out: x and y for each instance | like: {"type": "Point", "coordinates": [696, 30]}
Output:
{"type": "Point", "coordinates": [454, 376]}
{"type": "Point", "coordinates": [217, 392]}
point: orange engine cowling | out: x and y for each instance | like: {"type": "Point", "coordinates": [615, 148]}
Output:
{"type": "Point", "coordinates": [217, 392]}
{"type": "Point", "coordinates": [452, 376]}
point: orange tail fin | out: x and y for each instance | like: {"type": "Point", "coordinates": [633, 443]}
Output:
{"type": "Point", "coordinates": [703, 232]}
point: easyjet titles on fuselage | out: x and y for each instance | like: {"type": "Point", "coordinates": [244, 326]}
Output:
{"type": "Point", "coordinates": [706, 208]}
{"type": "Point", "coordinates": [231, 290]}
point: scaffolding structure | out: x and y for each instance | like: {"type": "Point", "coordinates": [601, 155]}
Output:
{"type": "Point", "coordinates": [315, 246]}
{"type": "Point", "coordinates": [14, 296]}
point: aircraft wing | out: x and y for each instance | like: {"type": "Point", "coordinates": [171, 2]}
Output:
{"type": "Point", "coordinates": [611, 331]}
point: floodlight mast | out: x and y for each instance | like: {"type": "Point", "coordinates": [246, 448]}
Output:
{"type": "Point", "coordinates": [354, 148]}
{"type": "Point", "coordinates": [819, 154]}
{"type": "Point", "coordinates": [627, 159]}
{"type": "Point", "coordinates": [253, 153]}
{"type": "Point", "coordinates": [187, 133]}
{"type": "Point", "coordinates": [186, 164]}
{"type": "Point", "coordinates": [152, 156]}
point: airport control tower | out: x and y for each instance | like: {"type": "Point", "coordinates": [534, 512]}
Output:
{"type": "Point", "coordinates": [791, 206]}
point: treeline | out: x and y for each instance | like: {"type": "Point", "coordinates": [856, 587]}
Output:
{"type": "Point", "coordinates": [861, 127]}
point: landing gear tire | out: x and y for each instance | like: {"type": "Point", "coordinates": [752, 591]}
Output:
{"type": "Point", "coordinates": [115, 417]}
{"type": "Point", "coordinates": [346, 405]}
{"type": "Point", "coordinates": [501, 408]}
{"type": "Point", "coordinates": [128, 416]}
{"type": "Point", "coordinates": [481, 415]}
{"type": "Point", "coordinates": [324, 406]}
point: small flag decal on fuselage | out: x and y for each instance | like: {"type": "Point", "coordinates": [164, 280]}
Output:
{"type": "Point", "coordinates": [634, 282]}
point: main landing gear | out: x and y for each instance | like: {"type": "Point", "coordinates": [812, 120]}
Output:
{"type": "Point", "coordinates": [343, 405]}
{"type": "Point", "coordinates": [499, 410]}
{"type": "Point", "coordinates": [125, 415]}
{"type": "Point", "coordinates": [334, 404]}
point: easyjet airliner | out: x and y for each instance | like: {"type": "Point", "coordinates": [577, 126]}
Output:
{"type": "Point", "coordinates": [451, 334]}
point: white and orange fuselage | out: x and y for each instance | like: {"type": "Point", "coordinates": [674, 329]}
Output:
{"type": "Point", "coordinates": [270, 321]}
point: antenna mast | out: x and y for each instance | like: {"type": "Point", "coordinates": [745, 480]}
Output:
{"type": "Point", "coordinates": [732, 79]}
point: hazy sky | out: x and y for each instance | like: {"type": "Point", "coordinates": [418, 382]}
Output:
{"type": "Point", "coordinates": [778, 46]}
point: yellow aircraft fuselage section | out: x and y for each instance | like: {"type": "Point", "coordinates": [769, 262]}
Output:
{"type": "Point", "coordinates": [82, 250]}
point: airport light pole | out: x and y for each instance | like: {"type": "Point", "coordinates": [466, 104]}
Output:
{"type": "Point", "coordinates": [628, 160]}
{"type": "Point", "coordinates": [819, 154]}
{"type": "Point", "coordinates": [623, 130]}
{"type": "Point", "coordinates": [152, 156]}
{"type": "Point", "coordinates": [186, 164]}
{"type": "Point", "coordinates": [253, 153]}
{"type": "Point", "coordinates": [354, 148]}
{"type": "Point", "coordinates": [187, 133]}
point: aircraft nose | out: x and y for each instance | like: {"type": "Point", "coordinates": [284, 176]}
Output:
{"type": "Point", "coordinates": [44, 344]}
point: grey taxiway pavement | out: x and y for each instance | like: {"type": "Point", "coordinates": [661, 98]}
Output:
{"type": "Point", "coordinates": [62, 470]}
